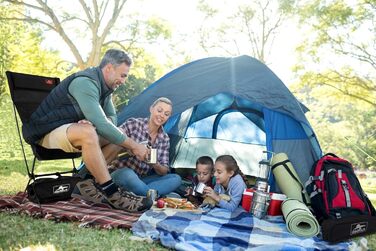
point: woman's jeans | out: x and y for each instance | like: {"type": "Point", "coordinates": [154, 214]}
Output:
{"type": "Point", "coordinates": [129, 180]}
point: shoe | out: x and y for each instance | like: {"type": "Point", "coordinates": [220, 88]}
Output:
{"type": "Point", "coordinates": [129, 202]}
{"type": "Point", "coordinates": [86, 190]}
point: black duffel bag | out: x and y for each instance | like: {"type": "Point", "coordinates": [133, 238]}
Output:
{"type": "Point", "coordinates": [50, 189]}
{"type": "Point", "coordinates": [335, 230]}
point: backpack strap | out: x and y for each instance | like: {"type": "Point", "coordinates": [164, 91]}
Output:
{"type": "Point", "coordinates": [284, 164]}
{"type": "Point", "coordinates": [371, 208]}
{"type": "Point", "coordinates": [330, 154]}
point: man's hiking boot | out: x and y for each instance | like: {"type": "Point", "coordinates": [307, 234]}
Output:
{"type": "Point", "coordinates": [87, 190]}
{"type": "Point", "coordinates": [128, 201]}
{"type": "Point", "coordinates": [121, 199]}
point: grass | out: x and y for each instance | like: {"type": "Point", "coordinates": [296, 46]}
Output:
{"type": "Point", "coordinates": [20, 231]}
{"type": "Point", "coordinates": [17, 232]}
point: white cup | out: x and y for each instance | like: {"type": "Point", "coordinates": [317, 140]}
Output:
{"type": "Point", "coordinates": [200, 188]}
{"type": "Point", "coordinates": [153, 156]}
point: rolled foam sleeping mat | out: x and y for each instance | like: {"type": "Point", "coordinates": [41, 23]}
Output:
{"type": "Point", "coordinates": [299, 219]}
{"type": "Point", "coordinates": [287, 179]}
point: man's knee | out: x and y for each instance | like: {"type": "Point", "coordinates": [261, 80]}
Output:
{"type": "Point", "coordinates": [82, 134]}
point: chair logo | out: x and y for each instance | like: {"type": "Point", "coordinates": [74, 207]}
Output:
{"type": "Point", "coordinates": [49, 81]}
{"type": "Point", "coordinates": [358, 228]}
{"type": "Point", "coordinates": [63, 188]}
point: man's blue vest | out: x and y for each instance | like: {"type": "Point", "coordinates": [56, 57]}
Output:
{"type": "Point", "coordinates": [60, 108]}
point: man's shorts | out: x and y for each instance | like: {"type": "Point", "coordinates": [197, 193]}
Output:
{"type": "Point", "coordinates": [58, 139]}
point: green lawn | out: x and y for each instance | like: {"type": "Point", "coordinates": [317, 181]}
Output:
{"type": "Point", "coordinates": [19, 231]}
{"type": "Point", "coordinates": [23, 231]}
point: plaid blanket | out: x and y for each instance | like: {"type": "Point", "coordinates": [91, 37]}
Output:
{"type": "Point", "coordinates": [86, 213]}
{"type": "Point", "coordinates": [220, 229]}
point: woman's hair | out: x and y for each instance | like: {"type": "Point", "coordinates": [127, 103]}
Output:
{"type": "Point", "coordinates": [231, 165]}
{"type": "Point", "coordinates": [205, 160]}
{"type": "Point", "coordinates": [162, 99]}
{"type": "Point", "coordinates": [115, 57]}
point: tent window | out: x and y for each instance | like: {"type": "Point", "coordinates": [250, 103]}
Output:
{"type": "Point", "coordinates": [201, 129]}
{"type": "Point", "coordinates": [233, 126]}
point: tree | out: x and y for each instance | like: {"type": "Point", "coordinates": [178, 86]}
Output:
{"type": "Point", "coordinates": [20, 51]}
{"type": "Point", "coordinates": [136, 83]}
{"type": "Point", "coordinates": [4, 52]}
{"type": "Point", "coordinates": [97, 18]}
{"type": "Point", "coordinates": [249, 28]}
{"type": "Point", "coordinates": [337, 71]}
{"type": "Point", "coordinates": [346, 33]}
{"type": "Point", "coordinates": [91, 22]}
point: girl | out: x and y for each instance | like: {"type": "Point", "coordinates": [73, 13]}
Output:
{"type": "Point", "coordinates": [229, 181]}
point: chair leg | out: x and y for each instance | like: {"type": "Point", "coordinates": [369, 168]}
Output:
{"type": "Point", "coordinates": [33, 168]}
{"type": "Point", "coordinates": [74, 166]}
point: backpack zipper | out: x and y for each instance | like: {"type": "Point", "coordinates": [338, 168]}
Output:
{"type": "Point", "coordinates": [347, 193]}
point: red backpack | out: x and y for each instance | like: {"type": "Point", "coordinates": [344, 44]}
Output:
{"type": "Point", "coordinates": [335, 190]}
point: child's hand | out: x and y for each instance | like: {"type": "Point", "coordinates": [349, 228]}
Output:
{"type": "Point", "coordinates": [188, 191]}
{"type": "Point", "coordinates": [209, 192]}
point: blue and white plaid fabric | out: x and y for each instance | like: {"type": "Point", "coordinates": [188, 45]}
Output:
{"type": "Point", "coordinates": [220, 229]}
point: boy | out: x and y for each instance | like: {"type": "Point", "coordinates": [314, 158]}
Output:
{"type": "Point", "coordinates": [204, 174]}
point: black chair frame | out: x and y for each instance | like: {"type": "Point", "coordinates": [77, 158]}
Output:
{"type": "Point", "coordinates": [20, 86]}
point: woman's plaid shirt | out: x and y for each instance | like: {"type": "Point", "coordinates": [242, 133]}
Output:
{"type": "Point", "coordinates": [138, 130]}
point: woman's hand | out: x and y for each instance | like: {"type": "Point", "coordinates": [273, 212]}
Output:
{"type": "Point", "coordinates": [140, 151]}
{"type": "Point", "coordinates": [209, 192]}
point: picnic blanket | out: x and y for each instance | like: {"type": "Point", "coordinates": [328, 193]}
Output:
{"type": "Point", "coordinates": [84, 212]}
{"type": "Point", "coordinates": [219, 229]}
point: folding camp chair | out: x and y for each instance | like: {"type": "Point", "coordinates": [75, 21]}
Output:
{"type": "Point", "coordinates": [27, 92]}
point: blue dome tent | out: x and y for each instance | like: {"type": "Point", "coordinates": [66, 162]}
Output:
{"type": "Point", "coordinates": [234, 106]}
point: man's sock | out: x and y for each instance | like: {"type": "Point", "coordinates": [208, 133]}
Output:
{"type": "Point", "coordinates": [109, 187]}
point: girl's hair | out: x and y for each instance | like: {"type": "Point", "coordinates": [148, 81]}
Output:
{"type": "Point", "coordinates": [162, 99]}
{"type": "Point", "coordinates": [231, 165]}
{"type": "Point", "coordinates": [205, 160]}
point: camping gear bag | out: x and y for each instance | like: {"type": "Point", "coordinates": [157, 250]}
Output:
{"type": "Point", "coordinates": [335, 190]}
{"type": "Point", "coordinates": [335, 230]}
{"type": "Point", "coordinates": [50, 189]}
{"type": "Point", "coordinates": [338, 200]}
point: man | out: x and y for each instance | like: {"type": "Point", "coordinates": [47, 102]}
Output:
{"type": "Point", "coordinates": [78, 115]}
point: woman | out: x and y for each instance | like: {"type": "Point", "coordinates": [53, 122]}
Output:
{"type": "Point", "coordinates": [139, 176]}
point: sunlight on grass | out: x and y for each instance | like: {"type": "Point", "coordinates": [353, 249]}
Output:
{"type": "Point", "coordinates": [39, 247]}
{"type": "Point", "coordinates": [21, 231]}
{"type": "Point", "coordinates": [13, 183]}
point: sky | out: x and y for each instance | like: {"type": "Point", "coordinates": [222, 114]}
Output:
{"type": "Point", "coordinates": [184, 18]}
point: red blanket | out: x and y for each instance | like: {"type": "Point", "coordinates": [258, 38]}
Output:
{"type": "Point", "coordinates": [87, 213]}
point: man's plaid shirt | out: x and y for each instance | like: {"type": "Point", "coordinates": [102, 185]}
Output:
{"type": "Point", "coordinates": [138, 130]}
